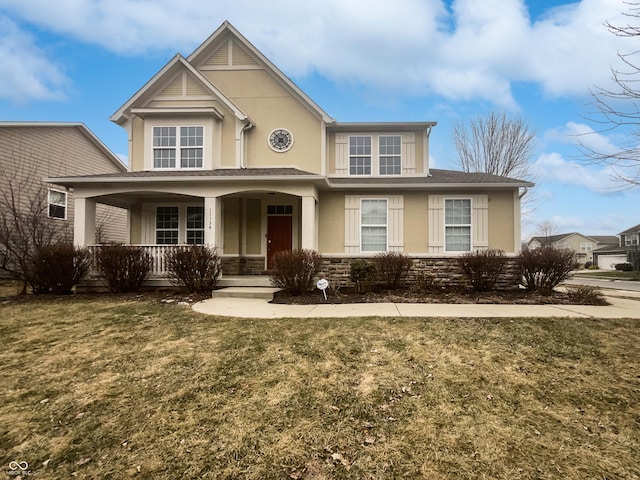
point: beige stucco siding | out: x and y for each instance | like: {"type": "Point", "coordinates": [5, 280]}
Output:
{"type": "Point", "coordinates": [136, 162]}
{"type": "Point", "coordinates": [501, 220]}
{"type": "Point", "coordinates": [232, 225]}
{"type": "Point", "coordinates": [272, 106]}
{"type": "Point", "coordinates": [254, 226]}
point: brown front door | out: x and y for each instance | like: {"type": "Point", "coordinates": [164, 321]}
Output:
{"type": "Point", "coordinates": [279, 228]}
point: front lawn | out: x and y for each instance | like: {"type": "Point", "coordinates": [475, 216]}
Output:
{"type": "Point", "coordinates": [124, 386]}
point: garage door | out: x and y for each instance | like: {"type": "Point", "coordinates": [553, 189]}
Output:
{"type": "Point", "coordinates": [608, 262]}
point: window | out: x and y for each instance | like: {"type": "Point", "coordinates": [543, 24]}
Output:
{"type": "Point", "coordinates": [57, 204]}
{"type": "Point", "coordinates": [390, 155]}
{"type": "Point", "coordinates": [168, 147]}
{"type": "Point", "coordinates": [167, 225]}
{"type": "Point", "coordinates": [630, 239]}
{"type": "Point", "coordinates": [373, 222]}
{"type": "Point", "coordinates": [360, 155]}
{"type": "Point", "coordinates": [279, 210]}
{"type": "Point", "coordinates": [457, 220]}
{"type": "Point", "coordinates": [585, 247]}
{"type": "Point", "coordinates": [195, 225]}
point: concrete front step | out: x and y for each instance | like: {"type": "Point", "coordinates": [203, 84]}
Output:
{"type": "Point", "coordinates": [264, 293]}
{"type": "Point", "coordinates": [244, 281]}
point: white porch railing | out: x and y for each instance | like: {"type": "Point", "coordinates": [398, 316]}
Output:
{"type": "Point", "coordinates": [157, 253]}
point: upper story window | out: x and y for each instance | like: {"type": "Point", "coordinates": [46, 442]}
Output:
{"type": "Point", "coordinates": [390, 155]}
{"type": "Point", "coordinates": [631, 239]}
{"type": "Point", "coordinates": [585, 247]}
{"type": "Point", "coordinates": [57, 202]}
{"type": "Point", "coordinates": [457, 224]}
{"type": "Point", "coordinates": [182, 146]}
{"type": "Point", "coordinates": [360, 155]}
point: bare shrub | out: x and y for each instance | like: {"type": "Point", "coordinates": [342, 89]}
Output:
{"type": "Point", "coordinates": [544, 268]}
{"type": "Point", "coordinates": [483, 268]}
{"type": "Point", "coordinates": [58, 268]}
{"type": "Point", "coordinates": [295, 270]}
{"type": "Point", "coordinates": [196, 268]}
{"type": "Point", "coordinates": [124, 267]}
{"type": "Point", "coordinates": [393, 267]}
{"type": "Point", "coordinates": [586, 295]}
{"type": "Point", "coordinates": [363, 273]}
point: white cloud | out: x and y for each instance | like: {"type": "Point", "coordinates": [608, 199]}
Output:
{"type": "Point", "coordinates": [581, 134]}
{"type": "Point", "coordinates": [26, 71]}
{"type": "Point", "coordinates": [552, 166]}
{"type": "Point", "coordinates": [418, 46]}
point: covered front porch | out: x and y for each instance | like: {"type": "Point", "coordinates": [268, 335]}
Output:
{"type": "Point", "coordinates": [247, 224]}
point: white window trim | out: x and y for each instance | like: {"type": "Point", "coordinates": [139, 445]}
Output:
{"type": "Point", "coordinates": [445, 225]}
{"type": "Point", "coordinates": [178, 147]}
{"type": "Point", "coordinates": [375, 154]}
{"type": "Point", "coordinates": [152, 209]}
{"type": "Point", "coordinates": [49, 203]}
{"type": "Point", "coordinates": [386, 226]}
{"type": "Point", "coordinates": [400, 155]}
{"type": "Point", "coordinates": [371, 156]}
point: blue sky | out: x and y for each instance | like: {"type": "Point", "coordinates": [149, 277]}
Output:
{"type": "Point", "coordinates": [406, 60]}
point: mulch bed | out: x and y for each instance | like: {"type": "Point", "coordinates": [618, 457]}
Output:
{"type": "Point", "coordinates": [346, 295]}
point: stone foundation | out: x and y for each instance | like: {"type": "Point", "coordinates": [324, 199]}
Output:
{"type": "Point", "coordinates": [440, 272]}
{"type": "Point", "coordinates": [243, 265]}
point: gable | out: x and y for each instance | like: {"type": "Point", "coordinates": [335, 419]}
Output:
{"type": "Point", "coordinates": [184, 86]}
{"type": "Point", "coordinates": [230, 53]}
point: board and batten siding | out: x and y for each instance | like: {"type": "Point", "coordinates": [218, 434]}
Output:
{"type": "Point", "coordinates": [395, 222]}
{"type": "Point", "coordinates": [479, 222]}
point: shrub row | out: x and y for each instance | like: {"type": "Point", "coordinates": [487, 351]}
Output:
{"type": "Point", "coordinates": [540, 270]}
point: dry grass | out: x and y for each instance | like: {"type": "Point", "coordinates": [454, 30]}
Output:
{"type": "Point", "coordinates": [113, 387]}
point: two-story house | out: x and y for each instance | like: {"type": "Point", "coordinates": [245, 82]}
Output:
{"type": "Point", "coordinates": [626, 245]}
{"type": "Point", "coordinates": [225, 150]}
{"type": "Point", "coordinates": [582, 245]}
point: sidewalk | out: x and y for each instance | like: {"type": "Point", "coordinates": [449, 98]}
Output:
{"type": "Point", "coordinates": [624, 305]}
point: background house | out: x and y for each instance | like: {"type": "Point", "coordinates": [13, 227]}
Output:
{"type": "Point", "coordinates": [618, 251]}
{"type": "Point", "coordinates": [226, 150]}
{"type": "Point", "coordinates": [31, 152]}
{"type": "Point", "coordinates": [583, 245]}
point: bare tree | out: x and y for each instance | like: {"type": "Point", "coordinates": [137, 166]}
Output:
{"type": "Point", "coordinates": [495, 144]}
{"type": "Point", "coordinates": [618, 107]}
{"type": "Point", "coordinates": [547, 228]}
{"type": "Point", "coordinates": [24, 222]}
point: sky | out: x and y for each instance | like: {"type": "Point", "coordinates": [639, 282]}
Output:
{"type": "Point", "coordinates": [380, 60]}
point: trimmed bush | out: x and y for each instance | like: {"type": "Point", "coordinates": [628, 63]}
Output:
{"type": "Point", "coordinates": [544, 268]}
{"type": "Point", "coordinates": [586, 295]}
{"type": "Point", "coordinates": [483, 268]}
{"type": "Point", "coordinates": [624, 267]}
{"type": "Point", "coordinates": [588, 264]}
{"type": "Point", "coordinates": [124, 267]}
{"type": "Point", "coordinates": [393, 267]}
{"type": "Point", "coordinates": [58, 268]}
{"type": "Point", "coordinates": [363, 273]}
{"type": "Point", "coordinates": [196, 268]}
{"type": "Point", "coordinates": [295, 270]}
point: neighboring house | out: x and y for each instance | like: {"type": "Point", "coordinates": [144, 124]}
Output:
{"type": "Point", "coordinates": [607, 256]}
{"type": "Point", "coordinates": [225, 150]}
{"type": "Point", "coordinates": [31, 152]}
{"type": "Point", "coordinates": [583, 245]}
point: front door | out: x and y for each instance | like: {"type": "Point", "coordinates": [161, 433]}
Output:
{"type": "Point", "coordinates": [279, 230]}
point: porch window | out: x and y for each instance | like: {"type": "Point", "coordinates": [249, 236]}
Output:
{"type": "Point", "coordinates": [457, 220]}
{"type": "Point", "coordinates": [172, 143]}
{"type": "Point", "coordinates": [57, 200]}
{"type": "Point", "coordinates": [195, 225]}
{"type": "Point", "coordinates": [360, 155]}
{"type": "Point", "coordinates": [373, 222]}
{"type": "Point", "coordinates": [390, 155]}
{"type": "Point", "coordinates": [167, 225]}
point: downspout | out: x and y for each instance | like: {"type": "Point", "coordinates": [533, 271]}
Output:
{"type": "Point", "coordinates": [246, 127]}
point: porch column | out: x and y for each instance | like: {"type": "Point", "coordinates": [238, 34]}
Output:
{"type": "Point", "coordinates": [213, 222]}
{"type": "Point", "coordinates": [84, 221]}
{"type": "Point", "coordinates": [309, 224]}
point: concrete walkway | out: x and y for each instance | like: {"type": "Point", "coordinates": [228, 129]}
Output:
{"type": "Point", "coordinates": [624, 305]}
